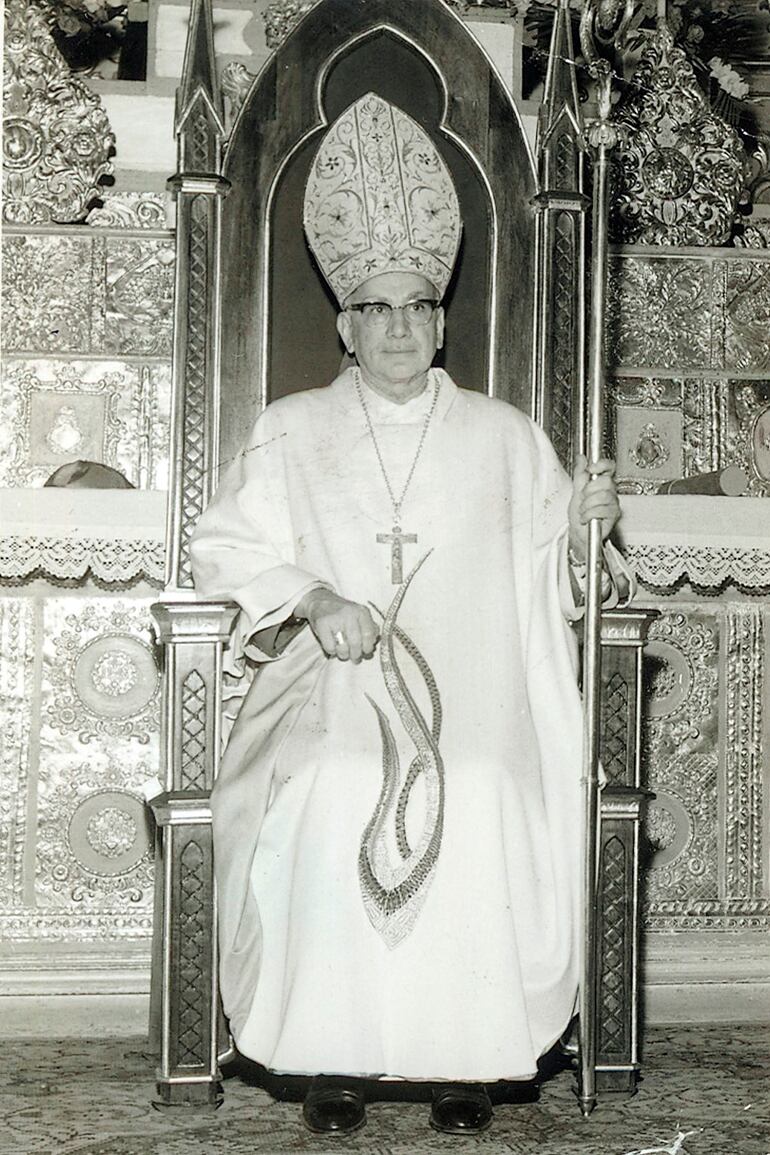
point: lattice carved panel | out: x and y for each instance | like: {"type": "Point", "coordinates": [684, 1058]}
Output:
{"type": "Point", "coordinates": [194, 933]}
{"type": "Point", "coordinates": [616, 694]}
{"type": "Point", "coordinates": [55, 412]}
{"type": "Point", "coordinates": [563, 367]}
{"type": "Point", "coordinates": [193, 736]}
{"type": "Point", "coordinates": [194, 481]}
{"type": "Point", "coordinates": [613, 1016]}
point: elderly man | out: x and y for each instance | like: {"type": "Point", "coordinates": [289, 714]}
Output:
{"type": "Point", "coordinates": [397, 826]}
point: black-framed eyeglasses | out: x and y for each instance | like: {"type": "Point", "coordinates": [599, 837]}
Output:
{"type": "Point", "coordinates": [377, 314]}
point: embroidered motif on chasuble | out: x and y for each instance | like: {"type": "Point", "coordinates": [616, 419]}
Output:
{"type": "Point", "coordinates": [380, 199]}
{"type": "Point", "coordinates": [393, 894]}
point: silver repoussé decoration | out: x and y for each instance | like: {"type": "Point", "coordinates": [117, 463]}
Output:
{"type": "Point", "coordinates": [56, 137]}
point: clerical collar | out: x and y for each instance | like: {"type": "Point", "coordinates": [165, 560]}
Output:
{"type": "Point", "coordinates": [415, 409]}
{"type": "Point", "coordinates": [386, 412]}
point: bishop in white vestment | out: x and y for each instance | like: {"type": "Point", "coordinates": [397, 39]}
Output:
{"type": "Point", "coordinates": [397, 818]}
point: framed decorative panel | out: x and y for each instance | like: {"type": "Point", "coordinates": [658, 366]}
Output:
{"type": "Point", "coordinates": [100, 676]}
{"type": "Point", "coordinates": [48, 294]}
{"type": "Point", "coordinates": [745, 431]}
{"type": "Point", "coordinates": [702, 757]}
{"type": "Point", "coordinates": [81, 862]}
{"type": "Point", "coordinates": [55, 412]}
{"type": "Point", "coordinates": [665, 428]}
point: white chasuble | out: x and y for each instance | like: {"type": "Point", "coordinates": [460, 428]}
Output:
{"type": "Point", "coordinates": [397, 841]}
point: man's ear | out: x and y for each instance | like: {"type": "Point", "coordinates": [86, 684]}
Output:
{"type": "Point", "coordinates": [440, 316]}
{"type": "Point", "coordinates": [345, 330]}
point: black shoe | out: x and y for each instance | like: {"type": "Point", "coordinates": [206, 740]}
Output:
{"type": "Point", "coordinates": [461, 1109]}
{"type": "Point", "coordinates": [333, 1106]}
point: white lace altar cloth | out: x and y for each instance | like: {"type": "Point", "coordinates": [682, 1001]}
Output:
{"type": "Point", "coordinates": [112, 535]}
{"type": "Point", "coordinates": [706, 541]}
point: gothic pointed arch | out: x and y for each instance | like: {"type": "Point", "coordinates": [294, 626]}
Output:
{"type": "Point", "coordinates": [278, 331]}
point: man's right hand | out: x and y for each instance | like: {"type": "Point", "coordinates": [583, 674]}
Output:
{"type": "Point", "coordinates": [346, 630]}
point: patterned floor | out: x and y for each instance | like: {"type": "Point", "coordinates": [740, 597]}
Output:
{"type": "Point", "coordinates": [704, 1092]}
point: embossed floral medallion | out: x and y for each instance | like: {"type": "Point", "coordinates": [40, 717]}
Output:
{"type": "Point", "coordinates": [115, 676]}
{"type": "Point", "coordinates": [109, 832]}
{"type": "Point", "coordinates": [94, 841]}
{"type": "Point", "coordinates": [102, 673]}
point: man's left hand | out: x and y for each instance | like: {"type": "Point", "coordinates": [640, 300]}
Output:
{"type": "Point", "coordinates": [593, 495]}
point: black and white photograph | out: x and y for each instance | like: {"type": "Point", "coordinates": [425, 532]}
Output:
{"type": "Point", "coordinates": [385, 577]}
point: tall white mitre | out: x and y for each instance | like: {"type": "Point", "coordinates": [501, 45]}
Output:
{"type": "Point", "coordinates": [380, 199]}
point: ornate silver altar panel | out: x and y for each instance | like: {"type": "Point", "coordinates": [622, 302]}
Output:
{"type": "Point", "coordinates": [54, 412]}
{"type": "Point", "coordinates": [81, 675]}
{"type": "Point", "coordinates": [663, 428]}
{"type": "Point", "coordinates": [132, 210]}
{"type": "Point", "coordinates": [88, 292]}
{"type": "Point", "coordinates": [681, 168]}
{"type": "Point", "coordinates": [86, 375]}
{"type": "Point", "coordinates": [702, 755]}
{"type": "Point", "coordinates": [100, 680]}
{"type": "Point", "coordinates": [56, 136]}
{"type": "Point", "coordinates": [688, 313]}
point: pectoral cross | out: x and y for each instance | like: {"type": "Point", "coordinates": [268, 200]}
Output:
{"type": "Point", "coordinates": [396, 541]}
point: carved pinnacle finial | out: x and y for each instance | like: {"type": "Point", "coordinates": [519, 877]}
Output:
{"type": "Point", "coordinates": [560, 124]}
{"type": "Point", "coordinates": [199, 109]}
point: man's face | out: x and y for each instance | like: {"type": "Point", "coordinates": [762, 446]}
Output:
{"type": "Point", "coordinates": [398, 353]}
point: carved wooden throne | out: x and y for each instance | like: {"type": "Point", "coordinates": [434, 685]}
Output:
{"type": "Point", "coordinates": [253, 322]}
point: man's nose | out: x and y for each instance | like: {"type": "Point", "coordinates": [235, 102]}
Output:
{"type": "Point", "coordinates": [397, 323]}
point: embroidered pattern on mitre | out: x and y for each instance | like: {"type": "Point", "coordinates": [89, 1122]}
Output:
{"type": "Point", "coordinates": [380, 199]}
